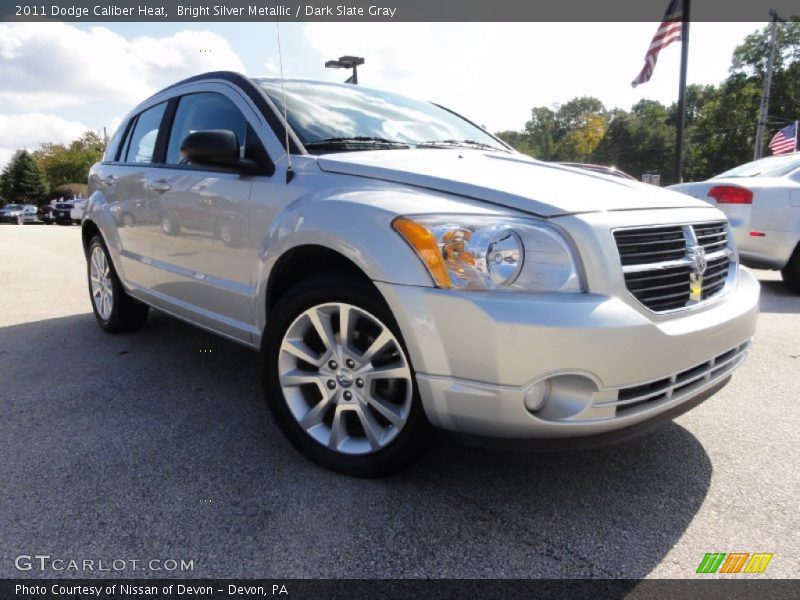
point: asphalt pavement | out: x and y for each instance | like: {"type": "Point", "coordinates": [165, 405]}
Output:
{"type": "Point", "coordinates": [157, 445]}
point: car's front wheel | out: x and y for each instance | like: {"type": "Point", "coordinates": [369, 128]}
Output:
{"type": "Point", "coordinates": [791, 272]}
{"type": "Point", "coordinates": [113, 308]}
{"type": "Point", "coordinates": [339, 381]}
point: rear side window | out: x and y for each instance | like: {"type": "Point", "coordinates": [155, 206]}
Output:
{"type": "Point", "coordinates": [112, 150]}
{"type": "Point", "coordinates": [203, 111]}
{"type": "Point", "coordinates": [141, 144]}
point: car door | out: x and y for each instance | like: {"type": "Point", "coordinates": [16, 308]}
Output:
{"type": "Point", "coordinates": [122, 179]}
{"type": "Point", "coordinates": [201, 254]}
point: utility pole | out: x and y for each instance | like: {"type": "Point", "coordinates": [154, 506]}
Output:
{"type": "Point", "coordinates": [678, 172]}
{"type": "Point", "coordinates": [762, 111]}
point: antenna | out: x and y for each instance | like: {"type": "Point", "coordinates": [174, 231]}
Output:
{"type": "Point", "coordinates": [289, 170]}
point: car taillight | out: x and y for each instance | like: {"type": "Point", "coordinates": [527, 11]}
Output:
{"type": "Point", "coordinates": [731, 194]}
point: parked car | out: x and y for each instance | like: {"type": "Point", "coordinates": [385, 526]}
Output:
{"type": "Point", "coordinates": [21, 214]}
{"type": "Point", "coordinates": [46, 214]}
{"type": "Point", "coordinates": [762, 202]}
{"type": "Point", "coordinates": [599, 169]}
{"type": "Point", "coordinates": [404, 268]}
{"type": "Point", "coordinates": [76, 213]}
{"type": "Point", "coordinates": [62, 212]}
{"type": "Point", "coordinates": [8, 213]}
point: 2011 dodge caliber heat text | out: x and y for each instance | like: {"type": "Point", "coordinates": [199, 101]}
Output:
{"type": "Point", "coordinates": [398, 267]}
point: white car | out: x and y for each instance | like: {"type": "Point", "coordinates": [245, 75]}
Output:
{"type": "Point", "coordinates": [762, 202]}
{"type": "Point", "coordinates": [76, 213]}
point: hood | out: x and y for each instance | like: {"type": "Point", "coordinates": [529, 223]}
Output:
{"type": "Point", "coordinates": [511, 180]}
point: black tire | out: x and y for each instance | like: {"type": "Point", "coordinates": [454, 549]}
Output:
{"type": "Point", "coordinates": [127, 314]}
{"type": "Point", "coordinates": [410, 440]}
{"type": "Point", "coordinates": [170, 225]}
{"type": "Point", "coordinates": [791, 272]}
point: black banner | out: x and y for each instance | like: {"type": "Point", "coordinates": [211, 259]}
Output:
{"type": "Point", "coordinates": [441, 589]}
{"type": "Point", "coordinates": [382, 10]}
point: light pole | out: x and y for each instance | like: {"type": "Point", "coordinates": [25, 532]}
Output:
{"type": "Point", "coordinates": [347, 62]}
{"type": "Point", "coordinates": [762, 111]}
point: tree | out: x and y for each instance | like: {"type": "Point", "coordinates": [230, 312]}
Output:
{"type": "Point", "coordinates": [541, 133]}
{"type": "Point", "coordinates": [22, 180]}
{"type": "Point", "coordinates": [639, 141]}
{"type": "Point", "coordinates": [69, 164]}
{"type": "Point", "coordinates": [750, 57]}
{"type": "Point", "coordinates": [749, 64]}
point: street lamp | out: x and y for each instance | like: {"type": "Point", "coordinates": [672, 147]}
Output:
{"type": "Point", "coordinates": [347, 62]}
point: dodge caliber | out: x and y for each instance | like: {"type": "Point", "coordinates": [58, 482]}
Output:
{"type": "Point", "coordinates": [399, 268]}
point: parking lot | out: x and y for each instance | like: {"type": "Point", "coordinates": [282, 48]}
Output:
{"type": "Point", "coordinates": [158, 445]}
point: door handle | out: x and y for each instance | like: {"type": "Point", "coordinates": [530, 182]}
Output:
{"type": "Point", "coordinates": [110, 180]}
{"type": "Point", "coordinates": [160, 186]}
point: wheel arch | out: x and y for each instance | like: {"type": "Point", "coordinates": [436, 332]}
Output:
{"type": "Point", "coordinates": [88, 230]}
{"type": "Point", "coordinates": [304, 261]}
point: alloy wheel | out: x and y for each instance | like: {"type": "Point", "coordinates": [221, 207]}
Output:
{"type": "Point", "coordinates": [345, 378]}
{"type": "Point", "coordinates": [102, 286]}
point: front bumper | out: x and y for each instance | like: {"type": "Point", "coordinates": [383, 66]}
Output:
{"type": "Point", "coordinates": [604, 365]}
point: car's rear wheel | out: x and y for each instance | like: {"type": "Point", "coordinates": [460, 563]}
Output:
{"type": "Point", "coordinates": [339, 381]}
{"type": "Point", "coordinates": [791, 272]}
{"type": "Point", "coordinates": [170, 225]}
{"type": "Point", "coordinates": [225, 233]}
{"type": "Point", "coordinates": [113, 308]}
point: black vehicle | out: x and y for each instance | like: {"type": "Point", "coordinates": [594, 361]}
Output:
{"type": "Point", "coordinates": [62, 213]}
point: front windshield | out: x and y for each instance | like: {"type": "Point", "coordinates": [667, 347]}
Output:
{"type": "Point", "coordinates": [320, 111]}
{"type": "Point", "coordinates": [12, 207]}
{"type": "Point", "coordinates": [772, 166]}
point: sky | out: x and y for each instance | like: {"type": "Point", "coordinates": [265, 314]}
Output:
{"type": "Point", "coordinates": [59, 79]}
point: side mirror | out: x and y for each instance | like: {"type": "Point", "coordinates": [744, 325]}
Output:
{"type": "Point", "coordinates": [216, 147]}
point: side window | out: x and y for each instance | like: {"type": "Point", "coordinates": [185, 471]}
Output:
{"type": "Point", "coordinates": [142, 141]}
{"type": "Point", "coordinates": [112, 150]}
{"type": "Point", "coordinates": [202, 111]}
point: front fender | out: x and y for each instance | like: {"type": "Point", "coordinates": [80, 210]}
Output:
{"type": "Point", "coordinates": [357, 225]}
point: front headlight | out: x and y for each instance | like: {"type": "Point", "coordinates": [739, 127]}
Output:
{"type": "Point", "coordinates": [491, 253]}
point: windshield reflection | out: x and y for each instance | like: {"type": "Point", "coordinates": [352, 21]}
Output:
{"type": "Point", "coordinates": [320, 111]}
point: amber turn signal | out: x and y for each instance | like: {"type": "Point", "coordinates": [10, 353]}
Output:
{"type": "Point", "coordinates": [424, 244]}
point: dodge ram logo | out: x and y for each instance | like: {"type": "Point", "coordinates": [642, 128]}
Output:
{"type": "Point", "coordinates": [697, 254]}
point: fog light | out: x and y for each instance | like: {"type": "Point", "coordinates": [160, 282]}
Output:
{"type": "Point", "coordinates": [536, 395]}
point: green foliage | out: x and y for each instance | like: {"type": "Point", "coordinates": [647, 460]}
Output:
{"type": "Point", "coordinates": [69, 164]}
{"type": "Point", "coordinates": [720, 120]}
{"type": "Point", "coordinates": [542, 131]}
{"type": "Point", "coordinates": [22, 180]}
{"type": "Point", "coordinates": [750, 57]}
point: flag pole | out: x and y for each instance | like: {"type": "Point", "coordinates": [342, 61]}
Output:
{"type": "Point", "coordinates": [678, 173]}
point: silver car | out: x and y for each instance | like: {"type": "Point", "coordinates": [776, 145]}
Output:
{"type": "Point", "coordinates": [762, 202]}
{"type": "Point", "coordinates": [19, 214]}
{"type": "Point", "coordinates": [398, 267]}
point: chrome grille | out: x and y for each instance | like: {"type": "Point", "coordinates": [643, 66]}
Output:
{"type": "Point", "coordinates": [675, 266]}
{"type": "Point", "coordinates": [679, 385]}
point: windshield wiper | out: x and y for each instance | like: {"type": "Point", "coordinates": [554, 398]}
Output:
{"type": "Point", "coordinates": [459, 143]}
{"type": "Point", "coordinates": [357, 140]}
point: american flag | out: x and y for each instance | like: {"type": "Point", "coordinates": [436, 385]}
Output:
{"type": "Point", "coordinates": [669, 31]}
{"type": "Point", "coordinates": [785, 141]}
